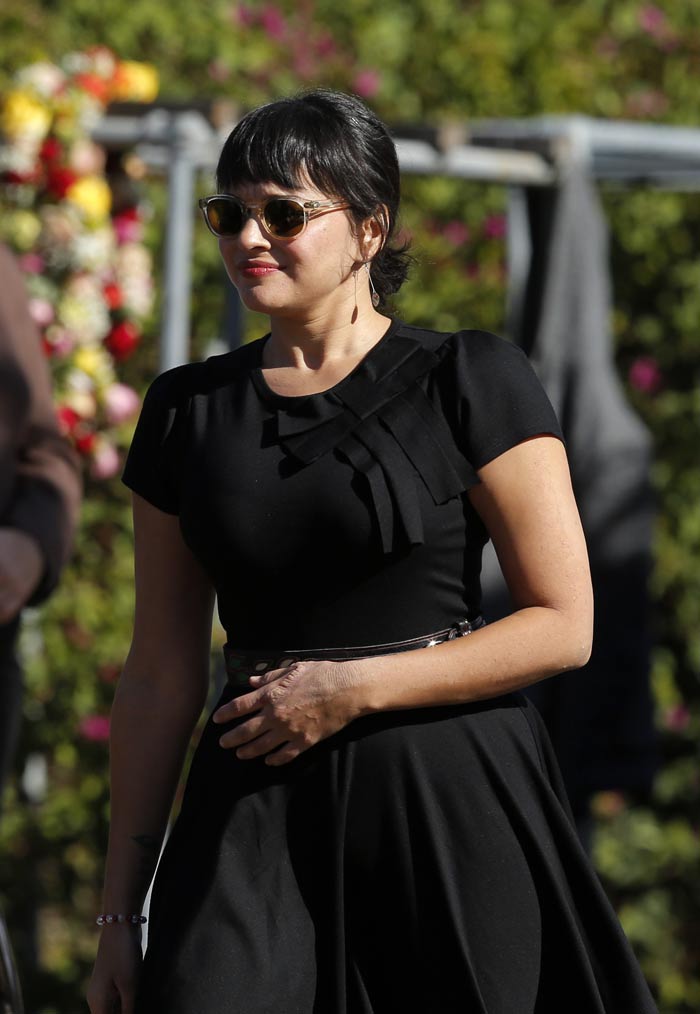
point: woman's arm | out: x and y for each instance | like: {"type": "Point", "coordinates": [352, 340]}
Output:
{"type": "Point", "coordinates": [159, 698]}
{"type": "Point", "coordinates": [526, 502]}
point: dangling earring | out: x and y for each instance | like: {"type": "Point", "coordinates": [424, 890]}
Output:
{"type": "Point", "coordinates": [355, 310]}
{"type": "Point", "coordinates": [375, 294]}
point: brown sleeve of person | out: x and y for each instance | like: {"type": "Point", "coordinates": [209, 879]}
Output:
{"type": "Point", "coordinates": [40, 487]}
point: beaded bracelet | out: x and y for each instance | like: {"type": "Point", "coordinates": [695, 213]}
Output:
{"type": "Point", "coordinates": [109, 918]}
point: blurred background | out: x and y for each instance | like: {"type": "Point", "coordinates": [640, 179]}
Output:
{"type": "Point", "coordinates": [109, 115]}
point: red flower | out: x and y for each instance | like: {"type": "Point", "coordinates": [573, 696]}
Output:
{"type": "Point", "coordinates": [51, 150]}
{"type": "Point", "coordinates": [113, 296]}
{"type": "Point", "coordinates": [84, 438]}
{"type": "Point", "coordinates": [67, 417]}
{"type": "Point", "coordinates": [19, 178]}
{"type": "Point", "coordinates": [94, 85]}
{"type": "Point", "coordinates": [122, 340]}
{"type": "Point", "coordinates": [59, 181]}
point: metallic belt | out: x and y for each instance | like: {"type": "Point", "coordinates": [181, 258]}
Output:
{"type": "Point", "coordinates": [241, 664]}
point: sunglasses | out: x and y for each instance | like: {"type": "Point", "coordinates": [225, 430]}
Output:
{"type": "Point", "coordinates": [280, 217]}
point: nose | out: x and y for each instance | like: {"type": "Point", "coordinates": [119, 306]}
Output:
{"type": "Point", "coordinates": [252, 234]}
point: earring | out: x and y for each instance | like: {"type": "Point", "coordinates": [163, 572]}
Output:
{"type": "Point", "coordinates": [375, 294]}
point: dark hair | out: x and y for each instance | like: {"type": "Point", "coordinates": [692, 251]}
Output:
{"type": "Point", "coordinates": [340, 146]}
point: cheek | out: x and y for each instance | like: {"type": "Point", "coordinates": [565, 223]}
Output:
{"type": "Point", "coordinates": [227, 255]}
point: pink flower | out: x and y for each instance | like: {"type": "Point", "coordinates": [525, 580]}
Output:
{"type": "Point", "coordinates": [245, 16]}
{"type": "Point", "coordinates": [60, 341]}
{"type": "Point", "coordinates": [41, 312]}
{"type": "Point", "coordinates": [273, 22]}
{"type": "Point", "coordinates": [326, 46]}
{"type": "Point", "coordinates": [366, 83]}
{"type": "Point", "coordinates": [456, 232]}
{"type": "Point", "coordinates": [128, 228]}
{"type": "Point", "coordinates": [121, 403]}
{"type": "Point", "coordinates": [31, 263]}
{"type": "Point", "coordinates": [105, 462]}
{"type": "Point", "coordinates": [94, 728]}
{"type": "Point", "coordinates": [677, 719]}
{"type": "Point", "coordinates": [652, 20]}
{"type": "Point", "coordinates": [645, 375]}
{"type": "Point", "coordinates": [304, 64]}
{"type": "Point", "coordinates": [495, 226]}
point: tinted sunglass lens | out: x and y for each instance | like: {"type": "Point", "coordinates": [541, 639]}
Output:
{"type": "Point", "coordinates": [226, 217]}
{"type": "Point", "coordinates": [284, 218]}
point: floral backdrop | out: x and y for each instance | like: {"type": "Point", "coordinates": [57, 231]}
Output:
{"type": "Point", "coordinates": [88, 272]}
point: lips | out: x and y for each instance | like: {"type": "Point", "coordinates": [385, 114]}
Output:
{"type": "Point", "coordinates": [256, 269]}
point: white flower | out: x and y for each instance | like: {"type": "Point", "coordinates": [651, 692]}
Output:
{"type": "Point", "coordinates": [83, 311]}
{"type": "Point", "coordinates": [94, 250]}
{"type": "Point", "coordinates": [44, 78]}
{"type": "Point", "coordinates": [133, 273]}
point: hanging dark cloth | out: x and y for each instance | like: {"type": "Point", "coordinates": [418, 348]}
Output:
{"type": "Point", "coordinates": [600, 718]}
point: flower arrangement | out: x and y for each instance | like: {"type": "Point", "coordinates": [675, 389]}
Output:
{"type": "Point", "coordinates": [88, 273]}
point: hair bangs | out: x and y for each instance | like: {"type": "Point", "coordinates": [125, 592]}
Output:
{"type": "Point", "coordinates": [284, 143]}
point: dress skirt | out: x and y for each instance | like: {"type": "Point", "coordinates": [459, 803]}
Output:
{"type": "Point", "coordinates": [418, 862]}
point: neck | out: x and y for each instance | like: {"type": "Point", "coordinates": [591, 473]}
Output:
{"type": "Point", "coordinates": [317, 340]}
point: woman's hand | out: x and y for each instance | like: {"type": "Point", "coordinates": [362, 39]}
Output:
{"type": "Point", "coordinates": [112, 987]}
{"type": "Point", "coordinates": [291, 709]}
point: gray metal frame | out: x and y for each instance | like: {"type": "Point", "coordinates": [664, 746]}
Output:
{"type": "Point", "coordinates": [516, 153]}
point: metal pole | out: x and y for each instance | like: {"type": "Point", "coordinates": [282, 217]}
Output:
{"type": "Point", "coordinates": [519, 255]}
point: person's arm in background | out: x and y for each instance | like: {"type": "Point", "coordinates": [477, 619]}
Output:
{"type": "Point", "coordinates": [40, 486]}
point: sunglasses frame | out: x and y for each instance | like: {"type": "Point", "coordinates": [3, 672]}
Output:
{"type": "Point", "coordinates": [310, 209]}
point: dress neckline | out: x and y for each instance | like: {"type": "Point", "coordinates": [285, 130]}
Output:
{"type": "Point", "coordinates": [280, 400]}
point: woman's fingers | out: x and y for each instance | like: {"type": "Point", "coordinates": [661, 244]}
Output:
{"type": "Point", "coordinates": [262, 745]}
{"type": "Point", "coordinates": [244, 733]}
{"type": "Point", "coordinates": [247, 703]}
{"type": "Point", "coordinates": [285, 754]}
{"type": "Point", "coordinates": [243, 705]}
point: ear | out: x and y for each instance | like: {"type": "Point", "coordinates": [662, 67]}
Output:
{"type": "Point", "coordinates": [372, 233]}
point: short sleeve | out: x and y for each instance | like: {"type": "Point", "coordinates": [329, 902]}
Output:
{"type": "Point", "coordinates": [501, 401]}
{"type": "Point", "coordinates": [152, 462]}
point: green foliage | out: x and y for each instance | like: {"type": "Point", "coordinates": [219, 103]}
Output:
{"type": "Point", "coordinates": [433, 61]}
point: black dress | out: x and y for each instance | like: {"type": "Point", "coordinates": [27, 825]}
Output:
{"type": "Point", "coordinates": [417, 861]}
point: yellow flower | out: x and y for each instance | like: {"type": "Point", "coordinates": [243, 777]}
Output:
{"type": "Point", "coordinates": [23, 114]}
{"type": "Point", "coordinates": [93, 196]}
{"type": "Point", "coordinates": [21, 228]}
{"type": "Point", "coordinates": [95, 362]}
{"type": "Point", "coordinates": [135, 82]}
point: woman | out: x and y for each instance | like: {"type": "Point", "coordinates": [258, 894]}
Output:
{"type": "Point", "coordinates": [373, 820]}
